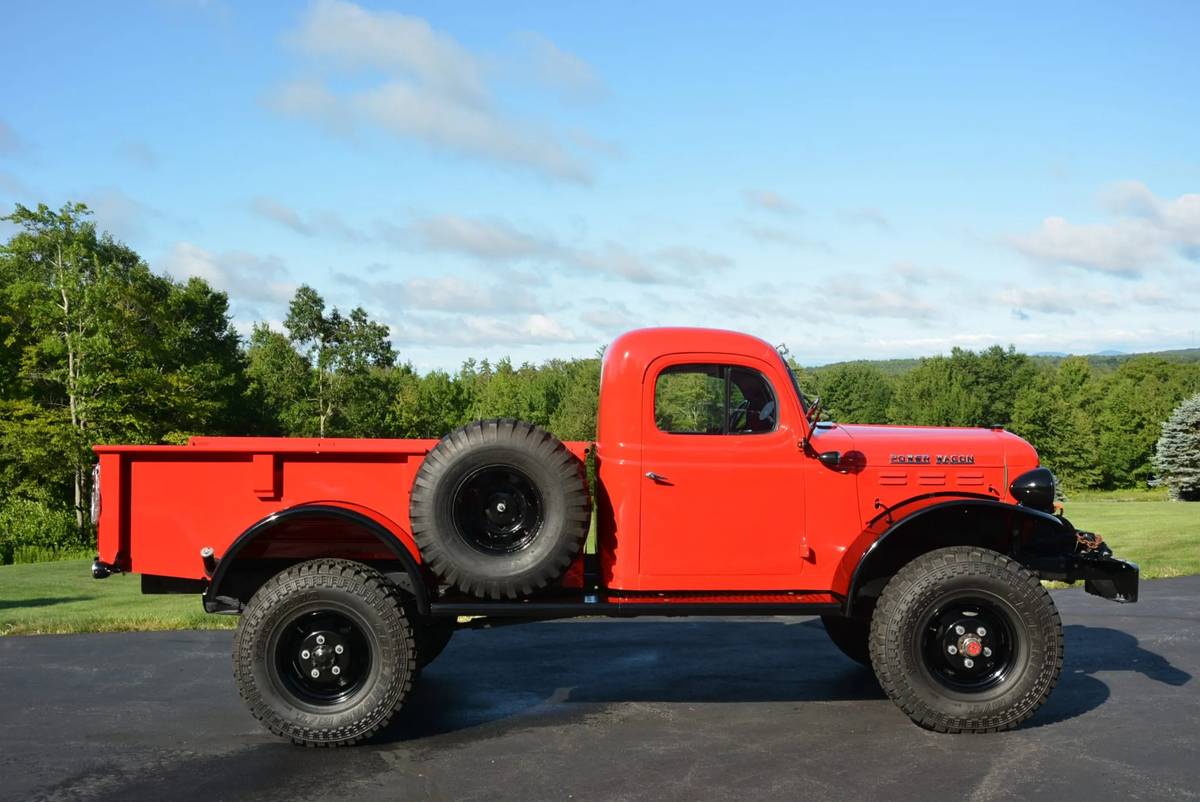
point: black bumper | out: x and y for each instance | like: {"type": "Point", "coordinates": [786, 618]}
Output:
{"type": "Point", "coordinates": [1109, 578]}
{"type": "Point", "coordinates": [1093, 562]}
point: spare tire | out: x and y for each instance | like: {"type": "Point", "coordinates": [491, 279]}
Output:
{"type": "Point", "coordinates": [499, 508]}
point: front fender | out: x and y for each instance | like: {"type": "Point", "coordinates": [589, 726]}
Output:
{"type": "Point", "coordinates": [924, 523]}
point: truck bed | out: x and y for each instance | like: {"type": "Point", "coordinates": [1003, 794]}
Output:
{"type": "Point", "coordinates": [160, 505]}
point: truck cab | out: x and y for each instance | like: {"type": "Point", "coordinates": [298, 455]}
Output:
{"type": "Point", "coordinates": [719, 490]}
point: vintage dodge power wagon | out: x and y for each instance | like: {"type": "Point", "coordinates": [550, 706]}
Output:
{"type": "Point", "coordinates": [718, 490]}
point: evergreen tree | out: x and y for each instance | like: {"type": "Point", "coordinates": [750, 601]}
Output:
{"type": "Point", "coordinates": [1177, 453]}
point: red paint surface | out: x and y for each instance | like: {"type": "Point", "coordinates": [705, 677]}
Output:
{"type": "Point", "coordinates": [739, 512]}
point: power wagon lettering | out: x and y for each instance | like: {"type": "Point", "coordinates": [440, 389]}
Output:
{"type": "Point", "coordinates": [940, 459]}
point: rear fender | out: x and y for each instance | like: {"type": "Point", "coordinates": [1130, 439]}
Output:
{"type": "Point", "coordinates": [246, 564]}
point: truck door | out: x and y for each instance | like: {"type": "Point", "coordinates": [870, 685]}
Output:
{"type": "Point", "coordinates": [722, 501]}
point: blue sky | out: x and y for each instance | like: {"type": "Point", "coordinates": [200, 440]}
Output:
{"type": "Point", "coordinates": [531, 179]}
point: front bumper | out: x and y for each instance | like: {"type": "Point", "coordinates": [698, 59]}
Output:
{"type": "Point", "coordinates": [1109, 578]}
{"type": "Point", "coordinates": [1092, 561]}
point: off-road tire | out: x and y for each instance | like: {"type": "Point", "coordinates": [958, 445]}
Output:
{"type": "Point", "coordinates": [363, 596]}
{"type": "Point", "coordinates": [541, 462]}
{"type": "Point", "coordinates": [851, 636]}
{"type": "Point", "coordinates": [936, 581]}
{"type": "Point", "coordinates": [433, 636]}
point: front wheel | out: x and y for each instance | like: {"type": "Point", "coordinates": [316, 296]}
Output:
{"type": "Point", "coordinates": [324, 653]}
{"type": "Point", "coordinates": [964, 639]}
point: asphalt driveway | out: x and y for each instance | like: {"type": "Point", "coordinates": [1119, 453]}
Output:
{"type": "Point", "coordinates": [646, 709]}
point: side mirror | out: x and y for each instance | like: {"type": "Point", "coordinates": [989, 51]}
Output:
{"type": "Point", "coordinates": [830, 459]}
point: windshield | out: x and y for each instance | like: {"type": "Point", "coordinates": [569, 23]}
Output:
{"type": "Point", "coordinates": [795, 384]}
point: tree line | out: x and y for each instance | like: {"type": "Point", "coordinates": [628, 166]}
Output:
{"type": "Point", "coordinates": [95, 347]}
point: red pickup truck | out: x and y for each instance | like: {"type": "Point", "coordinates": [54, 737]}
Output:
{"type": "Point", "coordinates": [718, 490]}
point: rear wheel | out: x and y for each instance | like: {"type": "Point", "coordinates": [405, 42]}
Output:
{"type": "Point", "coordinates": [324, 653]}
{"type": "Point", "coordinates": [851, 636]}
{"type": "Point", "coordinates": [965, 639]}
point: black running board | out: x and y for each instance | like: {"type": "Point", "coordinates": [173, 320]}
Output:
{"type": "Point", "coordinates": [800, 603]}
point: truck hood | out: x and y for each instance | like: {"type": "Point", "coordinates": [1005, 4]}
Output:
{"type": "Point", "coordinates": [931, 445]}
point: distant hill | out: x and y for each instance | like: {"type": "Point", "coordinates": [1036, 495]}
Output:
{"type": "Point", "coordinates": [1103, 361]}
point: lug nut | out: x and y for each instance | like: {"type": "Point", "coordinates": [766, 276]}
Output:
{"type": "Point", "coordinates": [304, 655]}
{"type": "Point", "coordinates": [969, 663]}
{"type": "Point", "coordinates": [981, 632]}
{"type": "Point", "coordinates": [321, 639]}
{"type": "Point", "coordinates": [336, 671]}
{"type": "Point", "coordinates": [315, 673]}
{"type": "Point", "coordinates": [959, 630]}
{"type": "Point", "coordinates": [987, 652]}
{"type": "Point", "coordinates": [952, 649]}
{"type": "Point", "coordinates": [338, 649]}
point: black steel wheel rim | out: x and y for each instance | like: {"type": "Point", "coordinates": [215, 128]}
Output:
{"type": "Point", "coordinates": [968, 643]}
{"type": "Point", "coordinates": [322, 657]}
{"type": "Point", "coordinates": [497, 509]}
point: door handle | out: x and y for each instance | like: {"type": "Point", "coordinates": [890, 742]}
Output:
{"type": "Point", "coordinates": [654, 477]}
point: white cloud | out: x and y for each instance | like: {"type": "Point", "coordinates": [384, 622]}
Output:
{"type": "Point", "coordinates": [475, 331]}
{"type": "Point", "coordinates": [774, 235]}
{"type": "Point", "coordinates": [915, 275]}
{"type": "Point", "coordinates": [487, 240]}
{"type": "Point", "coordinates": [324, 223]}
{"type": "Point", "coordinates": [1123, 248]}
{"type": "Point", "coordinates": [1146, 231]}
{"type": "Point", "coordinates": [564, 72]}
{"type": "Point", "coordinates": [866, 216]}
{"type": "Point", "coordinates": [863, 298]}
{"type": "Point", "coordinates": [1055, 300]}
{"type": "Point", "coordinates": [617, 261]}
{"type": "Point", "coordinates": [1075, 299]}
{"type": "Point", "coordinates": [1178, 219]}
{"type": "Point", "coordinates": [496, 241]}
{"type": "Point", "coordinates": [692, 260]}
{"type": "Point", "coordinates": [243, 275]}
{"type": "Point", "coordinates": [444, 294]}
{"type": "Point", "coordinates": [770, 201]}
{"type": "Point", "coordinates": [441, 121]}
{"type": "Point", "coordinates": [118, 213]}
{"type": "Point", "coordinates": [594, 144]}
{"type": "Point", "coordinates": [607, 317]}
{"type": "Point", "coordinates": [434, 90]}
{"type": "Point", "coordinates": [284, 215]}
{"type": "Point", "coordinates": [312, 101]}
{"type": "Point", "coordinates": [392, 41]}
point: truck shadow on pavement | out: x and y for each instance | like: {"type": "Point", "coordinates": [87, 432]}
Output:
{"type": "Point", "coordinates": [1095, 650]}
{"type": "Point", "coordinates": [521, 676]}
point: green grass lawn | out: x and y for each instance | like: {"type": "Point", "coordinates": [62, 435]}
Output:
{"type": "Point", "coordinates": [1163, 537]}
{"type": "Point", "coordinates": [57, 597]}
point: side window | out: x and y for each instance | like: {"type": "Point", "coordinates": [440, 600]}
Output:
{"type": "Point", "coordinates": [714, 399]}
{"type": "Point", "coordinates": [690, 399]}
{"type": "Point", "coordinates": [752, 405]}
